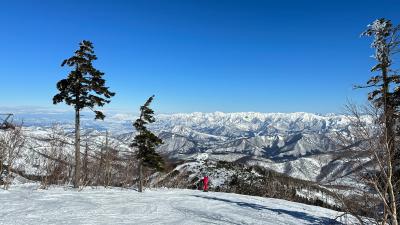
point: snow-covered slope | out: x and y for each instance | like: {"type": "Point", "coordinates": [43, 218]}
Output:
{"type": "Point", "coordinates": [24, 204]}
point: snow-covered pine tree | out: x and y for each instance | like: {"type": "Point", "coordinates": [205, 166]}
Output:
{"type": "Point", "coordinates": [83, 88]}
{"type": "Point", "coordinates": [146, 142]}
{"type": "Point", "coordinates": [386, 97]}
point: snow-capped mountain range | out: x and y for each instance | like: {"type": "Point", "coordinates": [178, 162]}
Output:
{"type": "Point", "coordinates": [301, 145]}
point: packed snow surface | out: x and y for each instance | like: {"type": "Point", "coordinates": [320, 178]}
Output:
{"type": "Point", "coordinates": [26, 204]}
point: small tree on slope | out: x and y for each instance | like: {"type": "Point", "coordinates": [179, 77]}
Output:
{"type": "Point", "coordinates": [83, 88]}
{"type": "Point", "coordinates": [146, 142]}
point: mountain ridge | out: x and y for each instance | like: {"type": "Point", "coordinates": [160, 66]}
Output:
{"type": "Point", "coordinates": [301, 145]}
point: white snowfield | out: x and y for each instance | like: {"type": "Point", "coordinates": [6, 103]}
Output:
{"type": "Point", "coordinates": [25, 204]}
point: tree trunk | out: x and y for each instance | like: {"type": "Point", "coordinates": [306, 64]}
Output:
{"type": "Point", "coordinates": [392, 196]}
{"type": "Point", "coordinates": [77, 150]}
{"type": "Point", "coordinates": [86, 164]}
{"type": "Point", "coordinates": [389, 142]}
{"type": "Point", "coordinates": [140, 186]}
{"type": "Point", "coordinates": [107, 164]}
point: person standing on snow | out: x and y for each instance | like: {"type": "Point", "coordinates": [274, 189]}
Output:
{"type": "Point", "coordinates": [205, 184]}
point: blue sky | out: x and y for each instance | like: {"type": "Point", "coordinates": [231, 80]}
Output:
{"type": "Point", "coordinates": [205, 55]}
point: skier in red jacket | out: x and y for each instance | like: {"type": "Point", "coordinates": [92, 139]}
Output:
{"type": "Point", "coordinates": [205, 184]}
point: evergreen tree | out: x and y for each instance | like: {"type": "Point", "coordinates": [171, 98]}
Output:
{"type": "Point", "coordinates": [146, 142]}
{"type": "Point", "coordinates": [386, 97]}
{"type": "Point", "coordinates": [83, 88]}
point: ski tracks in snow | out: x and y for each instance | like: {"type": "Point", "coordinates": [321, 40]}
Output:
{"type": "Point", "coordinates": [24, 204]}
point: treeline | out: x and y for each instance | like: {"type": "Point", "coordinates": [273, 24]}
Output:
{"type": "Point", "coordinates": [49, 159]}
{"type": "Point", "coordinates": [101, 164]}
{"type": "Point", "coordinates": [251, 180]}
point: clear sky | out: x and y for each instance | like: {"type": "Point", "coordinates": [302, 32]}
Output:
{"type": "Point", "coordinates": [205, 55]}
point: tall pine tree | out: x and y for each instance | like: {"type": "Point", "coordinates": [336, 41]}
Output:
{"type": "Point", "coordinates": [83, 88]}
{"type": "Point", "coordinates": [386, 97]}
{"type": "Point", "coordinates": [146, 142]}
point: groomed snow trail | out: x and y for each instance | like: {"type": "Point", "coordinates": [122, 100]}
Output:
{"type": "Point", "coordinates": [24, 204]}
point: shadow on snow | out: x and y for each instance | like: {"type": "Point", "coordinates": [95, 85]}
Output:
{"type": "Point", "coordinates": [298, 215]}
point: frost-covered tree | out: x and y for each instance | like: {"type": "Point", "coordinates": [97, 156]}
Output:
{"type": "Point", "coordinates": [83, 88]}
{"type": "Point", "coordinates": [12, 143]}
{"type": "Point", "coordinates": [146, 142]}
{"type": "Point", "coordinates": [385, 97]}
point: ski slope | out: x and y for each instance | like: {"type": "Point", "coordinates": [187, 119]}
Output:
{"type": "Point", "coordinates": [25, 204]}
